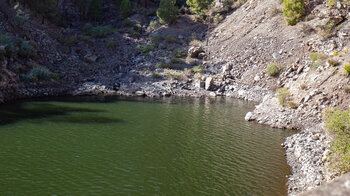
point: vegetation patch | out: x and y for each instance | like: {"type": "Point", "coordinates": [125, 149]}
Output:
{"type": "Point", "coordinates": [153, 25]}
{"type": "Point", "coordinates": [156, 75]}
{"type": "Point", "coordinates": [145, 49]}
{"type": "Point", "coordinates": [38, 73]}
{"type": "Point", "coordinates": [318, 59]}
{"type": "Point", "coordinates": [283, 95]}
{"type": "Point", "coordinates": [14, 46]}
{"type": "Point", "coordinates": [98, 31]}
{"type": "Point", "coordinates": [347, 69]}
{"type": "Point", "coordinates": [273, 69]}
{"type": "Point", "coordinates": [167, 11]}
{"type": "Point", "coordinates": [294, 10]}
{"type": "Point", "coordinates": [111, 43]}
{"type": "Point", "coordinates": [338, 124]}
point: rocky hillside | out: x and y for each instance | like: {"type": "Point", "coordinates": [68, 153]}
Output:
{"type": "Point", "coordinates": [311, 55]}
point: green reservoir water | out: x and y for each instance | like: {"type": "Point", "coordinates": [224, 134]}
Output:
{"type": "Point", "coordinates": [119, 146]}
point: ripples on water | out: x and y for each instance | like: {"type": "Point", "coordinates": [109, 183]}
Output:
{"type": "Point", "coordinates": [114, 146]}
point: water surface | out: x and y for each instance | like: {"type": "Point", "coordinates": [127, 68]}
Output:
{"type": "Point", "coordinates": [118, 146]}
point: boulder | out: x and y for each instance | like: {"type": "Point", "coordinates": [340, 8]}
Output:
{"type": "Point", "coordinates": [90, 58]}
{"type": "Point", "coordinates": [209, 82]}
{"type": "Point", "coordinates": [140, 93]}
{"type": "Point", "coordinates": [194, 51]}
{"type": "Point", "coordinates": [249, 116]}
{"type": "Point", "coordinates": [201, 55]}
{"type": "Point", "coordinates": [199, 83]}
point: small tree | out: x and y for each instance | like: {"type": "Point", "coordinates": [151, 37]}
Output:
{"type": "Point", "coordinates": [198, 5]}
{"type": "Point", "coordinates": [95, 10]}
{"type": "Point", "coordinates": [167, 11]}
{"type": "Point", "coordinates": [125, 8]}
{"type": "Point", "coordinates": [294, 10]}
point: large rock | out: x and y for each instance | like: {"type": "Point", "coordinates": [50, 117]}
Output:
{"type": "Point", "coordinates": [194, 51]}
{"type": "Point", "coordinates": [209, 82]}
{"type": "Point", "coordinates": [90, 58]}
{"type": "Point", "coordinates": [199, 83]}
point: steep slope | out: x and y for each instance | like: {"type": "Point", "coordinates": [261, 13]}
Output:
{"type": "Point", "coordinates": [255, 35]}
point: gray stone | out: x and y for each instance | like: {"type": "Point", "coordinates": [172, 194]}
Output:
{"type": "Point", "coordinates": [140, 93]}
{"type": "Point", "coordinates": [249, 116]}
{"type": "Point", "coordinates": [199, 84]}
{"type": "Point", "coordinates": [90, 58]}
{"type": "Point", "coordinates": [194, 51]}
{"type": "Point", "coordinates": [209, 83]}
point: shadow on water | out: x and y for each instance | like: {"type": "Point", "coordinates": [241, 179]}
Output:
{"type": "Point", "coordinates": [13, 113]}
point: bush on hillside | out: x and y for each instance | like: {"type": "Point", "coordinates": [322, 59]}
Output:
{"type": "Point", "coordinates": [97, 31]}
{"type": "Point", "coordinates": [347, 69]}
{"type": "Point", "coordinates": [197, 6]}
{"type": "Point", "coordinates": [294, 10]}
{"type": "Point", "coordinates": [338, 124]}
{"type": "Point", "coordinates": [283, 95]}
{"type": "Point", "coordinates": [95, 10]}
{"type": "Point", "coordinates": [38, 73]}
{"type": "Point", "coordinates": [167, 11]}
{"type": "Point", "coordinates": [125, 8]}
{"type": "Point", "coordinates": [273, 69]}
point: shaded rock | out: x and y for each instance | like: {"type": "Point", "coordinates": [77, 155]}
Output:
{"type": "Point", "coordinates": [194, 51]}
{"type": "Point", "coordinates": [90, 58]}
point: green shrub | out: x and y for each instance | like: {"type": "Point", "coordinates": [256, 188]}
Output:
{"type": "Point", "coordinates": [125, 8]}
{"type": "Point", "coordinates": [179, 53]}
{"type": "Point", "coordinates": [170, 38]}
{"type": "Point", "coordinates": [98, 31]}
{"type": "Point", "coordinates": [153, 25]}
{"type": "Point", "coordinates": [317, 59]}
{"type": "Point", "coordinates": [283, 95]}
{"type": "Point", "coordinates": [198, 69]}
{"type": "Point", "coordinates": [198, 6]}
{"type": "Point", "coordinates": [338, 124]}
{"type": "Point", "coordinates": [294, 10]}
{"type": "Point", "coordinates": [176, 60]}
{"type": "Point", "coordinates": [37, 73]}
{"type": "Point", "coordinates": [145, 49]}
{"type": "Point", "coordinates": [111, 43]}
{"type": "Point", "coordinates": [218, 18]}
{"type": "Point", "coordinates": [156, 39]}
{"type": "Point", "coordinates": [347, 69]}
{"type": "Point", "coordinates": [195, 42]}
{"type": "Point", "coordinates": [70, 40]}
{"type": "Point", "coordinates": [273, 69]}
{"type": "Point", "coordinates": [95, 11]}
{"type": "Point", "coordinates": [168, 66]}
{"type": "Point", "coordinates": [167, 11]}
{"type": "Point", "coordinates": [26, 49]}
{"type": "Point", "coordinates": [156, 75]}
